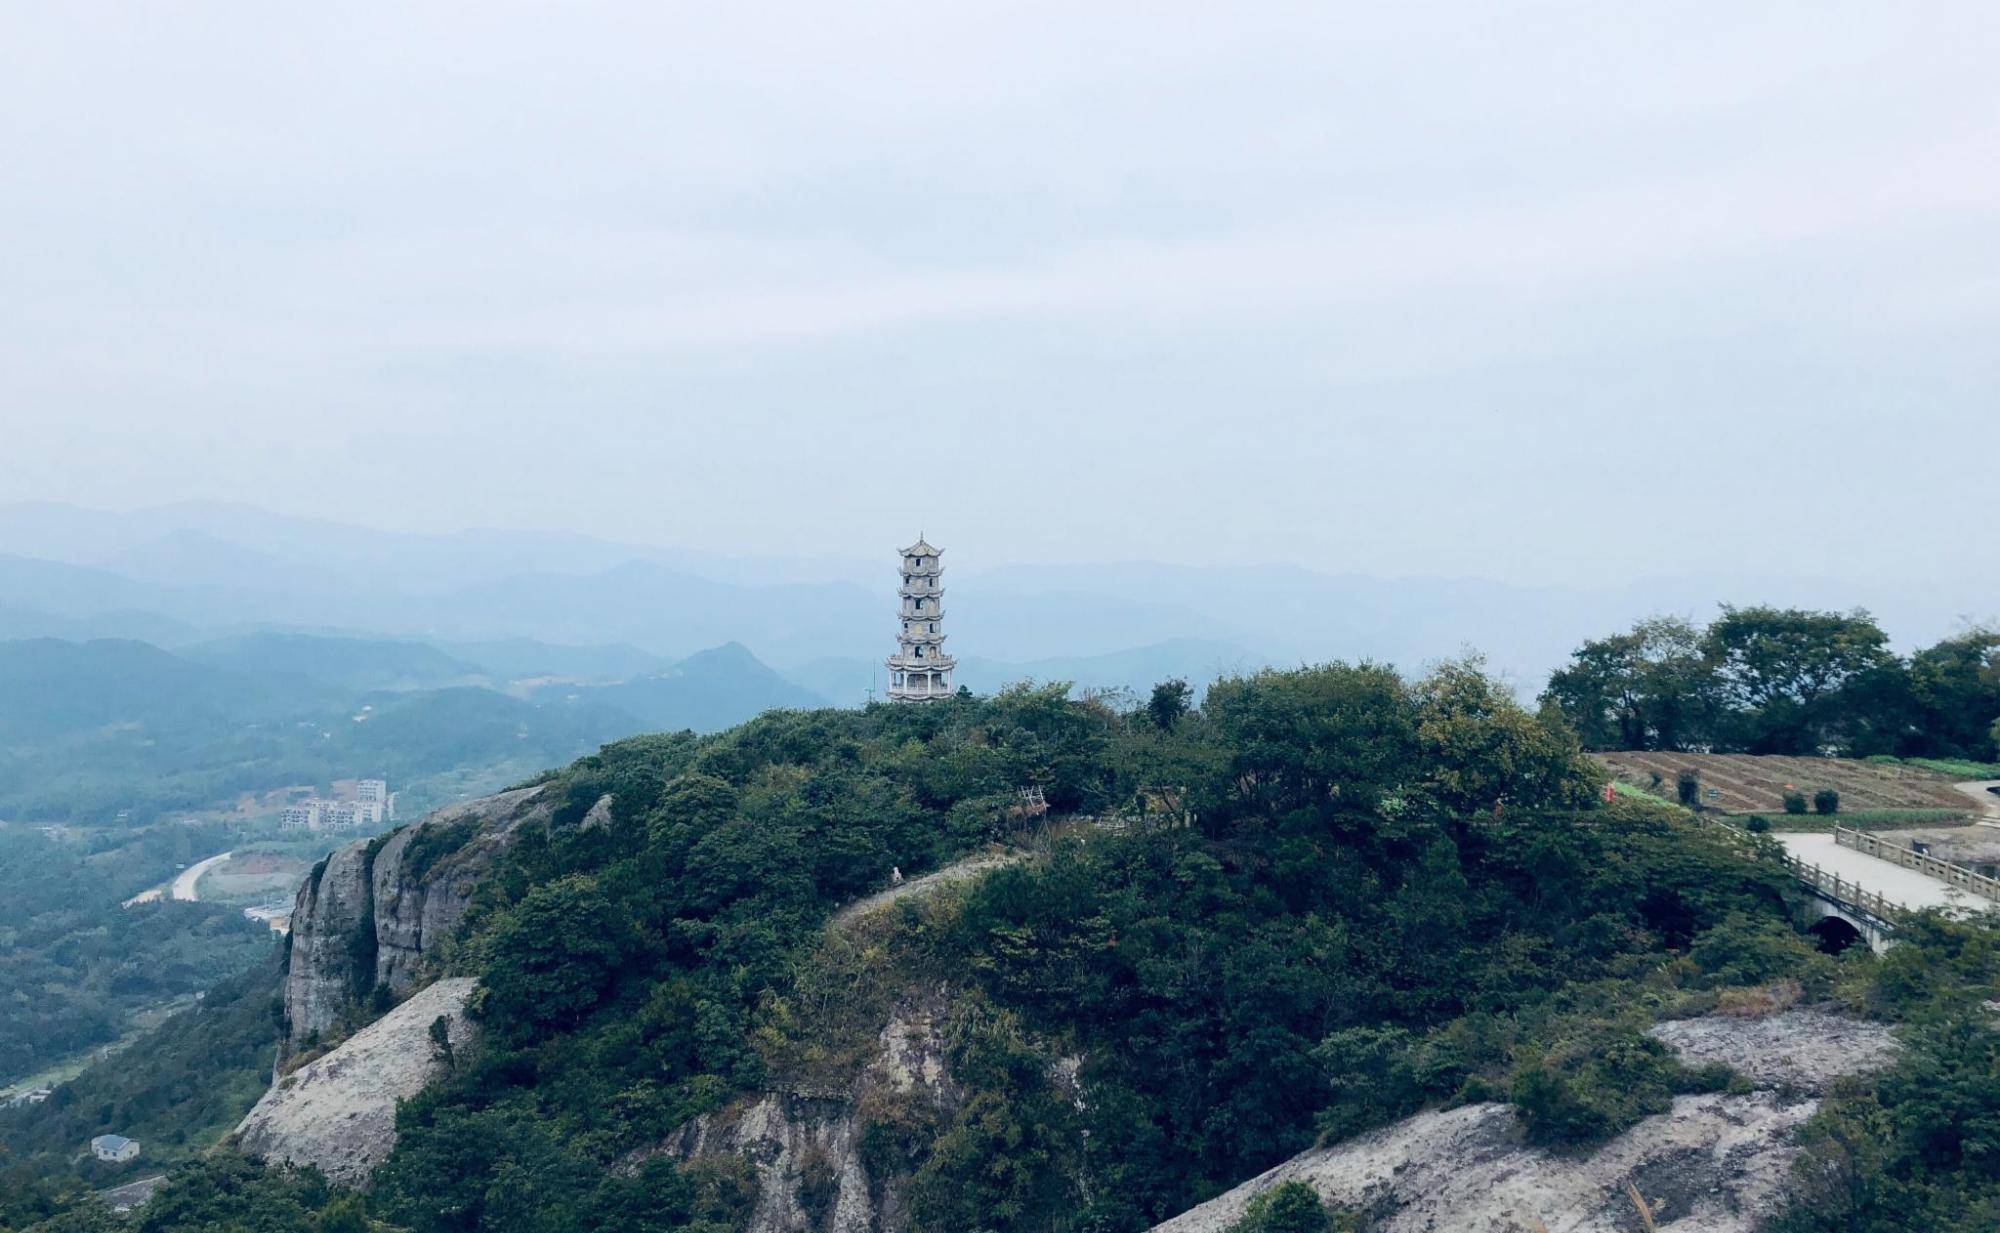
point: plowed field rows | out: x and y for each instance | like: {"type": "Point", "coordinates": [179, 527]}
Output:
{"type": "Point", "coordinates": [1752, 784]}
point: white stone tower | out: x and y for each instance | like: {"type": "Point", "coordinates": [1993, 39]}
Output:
{"type": "Point", "coordinates": [920, 670]}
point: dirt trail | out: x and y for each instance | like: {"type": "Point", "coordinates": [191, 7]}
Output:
{"type": "Point", "coordinates": [963, 871]}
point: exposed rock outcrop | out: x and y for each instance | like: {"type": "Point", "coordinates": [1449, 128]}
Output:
{"type": "Point", "coordinates": [338, 1112]}
{"type": "Point", "coordinates": [371, 913]}
{"type": "Point", "coordinates": [1713, 1164]}
{"type": "Point", "coordinates": [1798, 1050]}
{"type": "Point", "coordinates": [808, 1148]}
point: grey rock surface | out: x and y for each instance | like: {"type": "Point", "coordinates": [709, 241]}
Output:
{"type": "Point", "coordinates": [791, 1139]}
{"type": "Point", "coordinates": [1800, 1050]}
{"type": "Point", "coordinates": [1713, 1164]}
{"type": "Point", "coordinates": [379, 907]}
{"type": "Point", "coordinates": [338, 1112]}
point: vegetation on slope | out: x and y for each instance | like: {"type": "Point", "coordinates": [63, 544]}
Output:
{"type": "Point", "coordinates": [1375, 895]}
{"type": "Point", "coordinates": [177, 1089]}
{"type": "Point", "coordinates": [74, 967]}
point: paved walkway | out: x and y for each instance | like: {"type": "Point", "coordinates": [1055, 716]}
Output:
{"type": "Point", "coordinates": [1877, 876]}
{"type": "Point", "coordinates": [1979, 791]}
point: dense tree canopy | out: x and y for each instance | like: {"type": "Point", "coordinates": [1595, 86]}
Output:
{"type": "Point", "coordinates": [1782, 681]}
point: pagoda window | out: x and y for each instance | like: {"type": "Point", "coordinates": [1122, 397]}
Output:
{"type": "Point", "coordinates": [920, 652]}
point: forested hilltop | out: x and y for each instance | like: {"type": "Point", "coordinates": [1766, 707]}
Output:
{"type": "Point", "coordinates": [1318, 902]}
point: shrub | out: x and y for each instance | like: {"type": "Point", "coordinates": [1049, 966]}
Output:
{"type": "Point", "coordinates": [1745, 950]}
{"type": "Point", "coordinates": [1289, 1207]}
{"type": "Point", "coordinates": [1795, 802]}
{"type": "Point", "coordinates": [1756, 824]}
{"type": "Point", "coordinates": [1596, 1086]}
{"type": "Point", "coordinates": [1826, 800]}
{"type": "Point", "coordinates": [1687, 786]}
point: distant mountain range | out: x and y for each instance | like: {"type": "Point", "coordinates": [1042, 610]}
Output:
{"type": "Point", "coordinates": [523, 606]}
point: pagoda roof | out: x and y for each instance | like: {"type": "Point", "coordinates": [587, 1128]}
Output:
{"type": "Point", "coordinates": [920, 549]}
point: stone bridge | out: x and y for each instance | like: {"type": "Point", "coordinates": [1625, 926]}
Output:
{"type": "Point", "coordinates": [1865, 884]}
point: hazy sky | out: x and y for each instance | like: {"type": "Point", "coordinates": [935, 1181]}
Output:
{"type": "Point", "coordinates": [1548, 292]}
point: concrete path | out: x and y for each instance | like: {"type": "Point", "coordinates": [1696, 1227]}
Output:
{"type": "Point", "coordinates": [1989, 804]}
{"type": "Point", "coordinates": [1898, 885]}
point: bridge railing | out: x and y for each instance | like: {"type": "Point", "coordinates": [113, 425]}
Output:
{"type": "Point", "coordinates": [1895, 853]}
{"type": "Point", "coordinates": [1849, 895]}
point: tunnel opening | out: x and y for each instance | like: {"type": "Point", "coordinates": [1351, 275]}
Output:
{"type": "Point", "coordinates": [1834, 935]}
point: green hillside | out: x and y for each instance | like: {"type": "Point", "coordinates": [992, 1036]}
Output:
{"type": "Point", "coordinates": [1329, 898]}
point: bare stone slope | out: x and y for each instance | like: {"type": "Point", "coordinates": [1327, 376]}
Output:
{"type": "Point", "coordinates": [1713, 1164]}
{"type": "Point", "coordinates": [338, 1112]}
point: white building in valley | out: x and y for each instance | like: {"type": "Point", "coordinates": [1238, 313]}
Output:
{"type": "Point", "coordinates": [920, 669]}
{"type": "Point", "coordinates": [114, 1147]}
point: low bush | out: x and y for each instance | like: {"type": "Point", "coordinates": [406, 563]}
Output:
{"type": "Point", "coordinates": [1825, 801]}
{"type": "Point", "coordinates": [1795, 802]}
{"type": "Point", "coordinates": [1291, 1207]}
{"type": "Point", "coordinates": [1595, 1086]}
{"type": "Point", "coordinates": [1687, 787]}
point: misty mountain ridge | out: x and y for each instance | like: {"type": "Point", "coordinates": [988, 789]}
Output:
{"type": "Point", "coordinates": [100, 728]}
{"type": "Point", "coordinates": [199, 571]}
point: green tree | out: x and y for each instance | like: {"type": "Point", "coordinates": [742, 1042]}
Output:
{"type": "Point", "coordinates": [1170, 701]}
{"type": "Point", "coordinates": [1955, 694]}
{"type": "Point", "coordinates": [1783, 673]}
{"type": "Point", "coordinates": [1334, 739]}
{"type": "Point", "coordinates": [1651, 688]}
{"type": "Point", "coordinates": [1288, 1207]}
{"type": "Point", "coordinates": [555, 955]}
{"type": "Point", "coordinates": [1483, 750]}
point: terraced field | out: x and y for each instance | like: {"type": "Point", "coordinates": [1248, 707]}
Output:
{"type": "Point", "coordinates": [1747, 783]}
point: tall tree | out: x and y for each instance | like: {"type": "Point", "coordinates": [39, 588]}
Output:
{"type": "Point", "coordinates": [1785, 674]}
{"type": "Point", "coordinates": [1955, 691]}
{"type": "Point", "coordinates": [1651, 688]}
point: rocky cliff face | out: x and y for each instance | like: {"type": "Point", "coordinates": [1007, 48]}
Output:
{"type": "Point", "coordinates": [376, 908]}
{"type": "Point", "coordinates": [805, 1151]}
{"type": "Point", "coordinates": [338, 1112]}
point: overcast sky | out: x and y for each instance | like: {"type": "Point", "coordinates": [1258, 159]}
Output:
{"type": "Point", "coordinates": [1542, 292]}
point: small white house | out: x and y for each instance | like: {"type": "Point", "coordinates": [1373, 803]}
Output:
{"type": "Point", "coordinates": [114, 1147]}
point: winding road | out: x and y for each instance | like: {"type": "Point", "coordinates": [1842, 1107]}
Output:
{"type": "Point", "coordinates": [182, 887]}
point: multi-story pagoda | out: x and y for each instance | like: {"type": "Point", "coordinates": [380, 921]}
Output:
{"type": "Point", "coordinates": [920, 670]}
